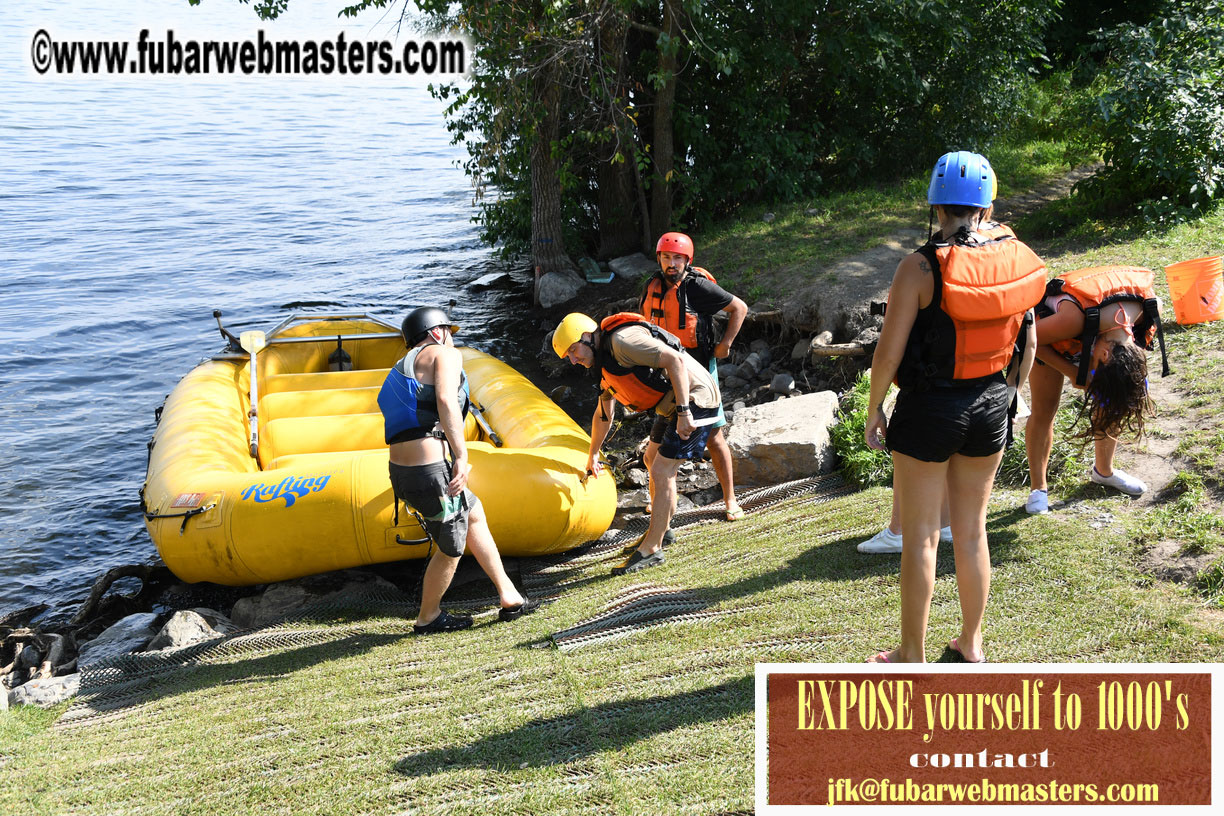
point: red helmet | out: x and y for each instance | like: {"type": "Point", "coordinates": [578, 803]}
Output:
{"type": "Point", "coordinates": [675, 242]}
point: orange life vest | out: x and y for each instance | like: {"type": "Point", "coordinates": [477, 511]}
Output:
{"type": "Point", "coordinates": [666, 307]}
{"type": "Point", "coordinates": [638, 388]}
{"type": "Point", "coordinates": [982, 292]}
{"type": "Point", "coordinates": [1099, 286]}
{"type": "Point", "coordinates": [994, 230]}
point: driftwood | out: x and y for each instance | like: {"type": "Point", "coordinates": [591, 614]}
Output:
{"type": "Point", "coordinates": [141, 571]}
{"type": "Point", "coordinates": [821, 347]}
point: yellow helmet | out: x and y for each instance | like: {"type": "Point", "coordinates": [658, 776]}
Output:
{"type": "Point", "coordinates": [570, 330]}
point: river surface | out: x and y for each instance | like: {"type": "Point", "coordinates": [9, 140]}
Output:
{"type": "Point", "coordinates": [132, 207]}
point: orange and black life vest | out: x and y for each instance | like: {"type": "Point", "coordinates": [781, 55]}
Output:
{"type": "Point", "coordinates": [968, 331]}
{"type": "Point", "coordinates": [1100, 286]}
{"type": "Point", "coordinates": [638, 388]}
{"type": "Point", "coordinates": [667, 307]}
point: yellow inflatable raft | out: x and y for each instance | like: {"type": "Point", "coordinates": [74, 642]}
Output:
{"type": "Point", "coordinates": [315, 496]}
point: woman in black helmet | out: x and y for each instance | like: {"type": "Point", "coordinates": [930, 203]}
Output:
{"type": "Point", "coordinates": [424, 401]}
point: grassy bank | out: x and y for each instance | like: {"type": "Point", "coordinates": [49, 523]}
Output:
{"type": "Point", "coordinates": [586, 707]}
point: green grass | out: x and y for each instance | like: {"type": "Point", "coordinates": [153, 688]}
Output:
{"type": "Point", "coordinates": [364, 718]}
{"type": "Point", "coordinates": [761, 261]}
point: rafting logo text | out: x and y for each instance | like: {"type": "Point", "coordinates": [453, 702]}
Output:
{"type": "Point", "coordinates": [290, 489]}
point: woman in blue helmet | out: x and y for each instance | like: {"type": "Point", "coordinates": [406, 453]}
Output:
{"type": "Point", "coordinates": [955, 311]}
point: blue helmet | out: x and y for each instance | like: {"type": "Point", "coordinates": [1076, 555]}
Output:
{"type": "Point", "coordinates": [962, 178]}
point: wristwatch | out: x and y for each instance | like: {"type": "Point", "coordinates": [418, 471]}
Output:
{"type": "Point", "coordinates": [683, 409]}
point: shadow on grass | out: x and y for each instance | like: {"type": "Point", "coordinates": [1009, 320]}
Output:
{"type": "Point", "coordinates": [839, 560]}
{"type": "Point", "coordinates": [142, 678]}
{"type": "Point", "coordinates": [569, 737]}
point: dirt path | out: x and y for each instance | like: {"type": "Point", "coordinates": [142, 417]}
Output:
{"type": "Point", "coordinates": [837, 299]}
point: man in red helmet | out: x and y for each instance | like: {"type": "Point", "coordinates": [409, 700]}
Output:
{"type": "Point", "coordinates": [683, 299]}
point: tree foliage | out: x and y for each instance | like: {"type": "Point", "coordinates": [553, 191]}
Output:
{"type": "Point", "coordinates": [1158, 114]}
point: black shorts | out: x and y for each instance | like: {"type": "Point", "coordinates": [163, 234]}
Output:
{"type": "Point", "coordinates": [663, 433]}
{"type": "Point", "coordinates": [931, 425]}
{"type": "Point", "coordinates": [423, 488]}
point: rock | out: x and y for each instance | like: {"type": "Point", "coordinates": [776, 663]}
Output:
{"type": "Point", "coordinates": [633, 499]}
{"type": "Point", "coordinates": [637, 477]}
{"type": "Point", "coordinates": [727, 371]}
{"type": "Point", "coordinates": [811, 212]}
{"type": "Point", "coordinates": [30, 657]}
{"type": "Point", "coordinates": [800, 350]}
{"type": "Point", "coordinates": [190, 626]}
{"type": "Point", "coordinates": [760, 347]}
{"type": "Point", "coordinates": [44, 693]}
{"type": "Point", "coordinates": [784, 440]}
{"type": "Point", "coordinates": [633, 267]}
{"type": "Point", "coordinates": [560, 394]}
{"type": "Point", "coordinates": [823, 339]}
{"type": "Point", "coordinates": [782, 384]}
{"type": "Point", "coordinates": [734, 384]}
{"type": "Point", "coordinates": [556, 288]}
{"type": "Point", "coordinates": [739, 406]}
{"type": "Point", "coordinates": [490, 280]}
{"type": "Point", "coordinates": [768, 218]}
{"type": "Point", "coordinates": [128, 635]}
{"type": "Point", "coordinates": [751, 366]}
{"type": "Point", "coordinates": [289, 598]}
{"type": "Point", "coordinates": [684, 503]}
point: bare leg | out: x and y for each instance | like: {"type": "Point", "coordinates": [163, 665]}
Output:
{"type": "Point", "coordinates": [970, 479]}
{"type": "Point", "coordinates": [1103, 454]}
{"type": "Point", "coordinates": [480, 544]}
{"type": "Point", "coordinates": [894, 521]}
{"type": "Point", "coordinates": [438, 575]}
{"type": "Point", "coordinates": [720, 457]}
{"type": "Point", "coordinates": [663, 483]}
{"type": "Point", "coordinates": [921, 487]}
{"type": "Point", "coordinates": [1045, 391]}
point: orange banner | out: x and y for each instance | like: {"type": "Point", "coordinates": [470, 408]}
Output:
{"type": "Point", "coordinates": [1032, 737]}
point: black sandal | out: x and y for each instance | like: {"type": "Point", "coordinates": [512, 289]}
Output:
{"type": "Point", "coordinates": [445, 622]}
{"type": "Point", "coordinates": [509, 613]}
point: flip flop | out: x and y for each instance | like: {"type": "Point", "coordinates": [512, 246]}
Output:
{"type": "Point", "coordinates": [880, 657]}
{"type": "Point", "coordinates": [954, 646]}
{"type": "Point", "coordinates": [735, 513]}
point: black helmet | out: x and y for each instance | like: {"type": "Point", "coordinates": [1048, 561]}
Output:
{"type": "Point", "coordinates": [421, 320]}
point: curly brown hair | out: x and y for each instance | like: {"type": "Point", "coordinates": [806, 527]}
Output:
{"type": "Point", "coordinates": [1116, 401]}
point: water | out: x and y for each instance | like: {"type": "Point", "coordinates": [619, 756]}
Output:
{"type": "Point", "coordinates": [130, 209]}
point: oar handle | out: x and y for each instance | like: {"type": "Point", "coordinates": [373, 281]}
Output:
{"type": "Point", "coordinates": [478, 412]}
{"type": "Point", "coordinates": [254, 412]}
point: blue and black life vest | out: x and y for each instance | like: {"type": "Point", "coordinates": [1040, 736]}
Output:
{"type": "Point", "coordinates": [410, 408]}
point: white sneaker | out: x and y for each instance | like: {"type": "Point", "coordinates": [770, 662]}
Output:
{"type": "Point", "coordinates": [1038, 503]}
{"type": "Point", "coordinates": [945, 534]}
{"type": "Point", "coordinates": [885, 541]}
{"type": "Point", "coordinates": [1119, 481]}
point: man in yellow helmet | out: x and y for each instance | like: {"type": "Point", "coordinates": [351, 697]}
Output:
{"type": "Point", "coordinates": [644, 367]}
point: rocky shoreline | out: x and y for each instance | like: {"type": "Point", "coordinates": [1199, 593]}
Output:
{"type": "Point", "coordinates": [780, 393]}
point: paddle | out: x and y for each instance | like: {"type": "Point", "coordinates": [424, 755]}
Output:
{"type": "Point", "coordinates": [252, 342]}
{"type": "Point", "coordinates": [478, 412]}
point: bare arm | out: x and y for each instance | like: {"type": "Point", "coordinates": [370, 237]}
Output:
{"type": "Point", "coordinates": [1026, 361]}
{"type": "Point", "coordinates": [904, 300]}
{"type": "Point", "coordinates": [673, 363]}
{"type": "Point", "coordinates": [447, 364]}
{"type": "Point", "coordinates": [736, 311]}
{"type": "Point", "coordinates": [601, 423]}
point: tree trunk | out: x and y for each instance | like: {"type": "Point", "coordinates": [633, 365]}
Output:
{"type": "Point", "coordinates": [619, 229]}
{"type": "Point", "coordinates": [547, 244]}
{"type": "Point", "coordinates": [664, 144]}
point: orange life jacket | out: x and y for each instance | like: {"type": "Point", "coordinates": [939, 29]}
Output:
{"type": "Point", "coordinates": [1099, 286]}
{"type": "Point", "coordinates": [968, 331]}
{"type": "Point", "coordinates": [666, 307]}
{"type": "Point", "coordinates": [638, 388]}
